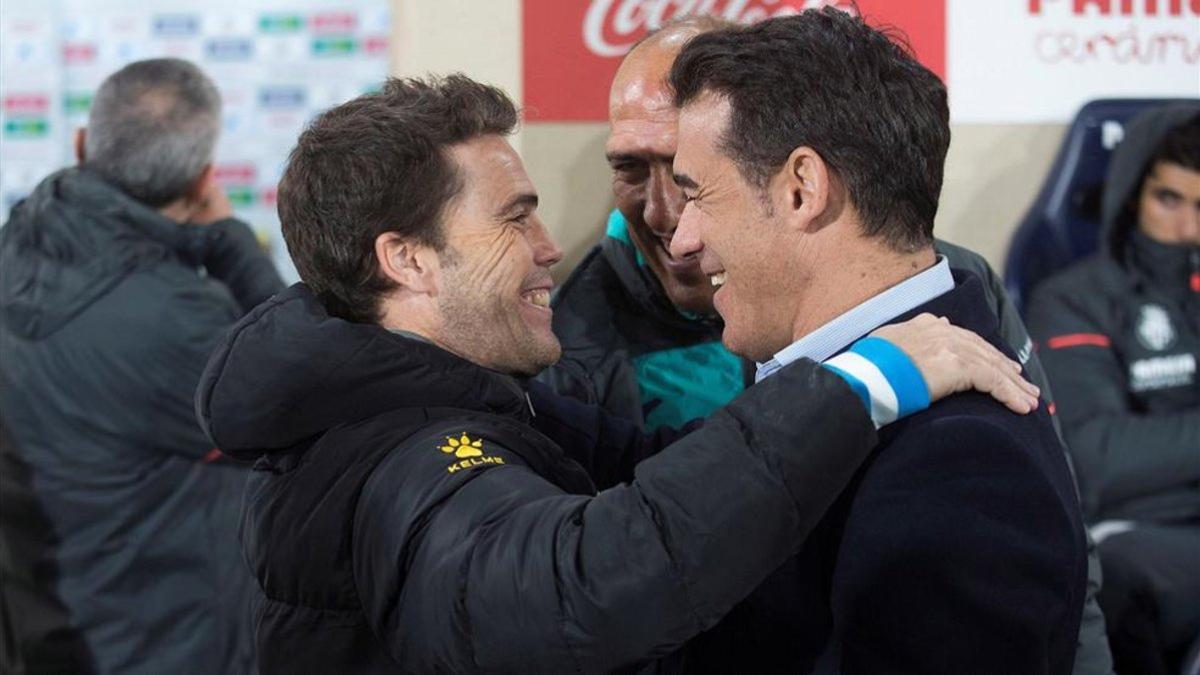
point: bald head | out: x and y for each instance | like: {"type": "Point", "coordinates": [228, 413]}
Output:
{"type": "Point", "coordinates": [641, 79]}
{"type": "Point", "coordinates": [641, 149]}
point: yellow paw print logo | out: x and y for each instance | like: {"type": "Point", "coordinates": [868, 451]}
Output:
{"type": "Point", "coordinates": [463, 447]}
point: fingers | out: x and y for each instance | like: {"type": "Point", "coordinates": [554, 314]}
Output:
{"type": "Point", "coordinates": [998, 376]}
{"type": "Point", "coordinates": [1009, 391]}
{"type": "Point", "coordinates": [952, 359]}
{"type": "Point", "coordinates": [1014, 373]}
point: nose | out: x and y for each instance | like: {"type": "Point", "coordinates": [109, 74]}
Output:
{"type": "Point", "coordinates": [545, 252]}
{"type": "Point", "coordinates": [664, 200]}
{"type": "Point", "coordinates": [687, 235]}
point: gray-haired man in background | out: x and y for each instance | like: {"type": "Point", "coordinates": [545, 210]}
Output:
{"type": "Point", "coordinates": [118, 535]}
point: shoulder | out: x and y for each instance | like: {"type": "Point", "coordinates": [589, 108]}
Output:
{"type": "Point", "coordinates": [443, 455]}
{"type": "Point", "coordinates": [591, 272]}
{"type": "Point", "coordinates": [970, 437]}
{"type": "Point", "coordinates": [965, 259]}
{"type": "Point", "coordinates": [454, 472]}
{"type": "Point", "coordinates": [966, 464]}
{"type": "Point", "coordinates": [962, 420]}
{"type": "Point", "coordinates": [169, 295]}
{"type": "Point", "coordinates": [584, 305]}
{"type": "Point", "coordinates": [166, 319]}
{"type": "Point", "coordinates": [1089, 276]}
{"type": "Point", "coordinates": [585, 321]}
{"type": "Point", "coordinates": [970, 414]}
{"type": "Point", "coordinates": [1090, 290]}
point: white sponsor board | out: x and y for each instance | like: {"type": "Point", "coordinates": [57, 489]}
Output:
{"type": "Point", "coordinates": [1031, 61]}
{"type": "Point", "coordinates": [277, 64]}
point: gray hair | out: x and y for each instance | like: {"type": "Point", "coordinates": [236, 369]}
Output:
{"type": "Point", "coordinates": [153, 128]}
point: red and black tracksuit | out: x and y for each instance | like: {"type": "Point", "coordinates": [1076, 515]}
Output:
{"type": "Point", "coordinates": [1119, 336]}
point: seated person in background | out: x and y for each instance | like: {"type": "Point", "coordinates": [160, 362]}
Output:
{"type": "Point", "coordinates": [117, 277]}
{"type": "Point", "coordinates": [1119, 335]}
{"type": "Point", "coordinates": [639, 333]}
{"type": "Point", "coordinates": [811, 184]}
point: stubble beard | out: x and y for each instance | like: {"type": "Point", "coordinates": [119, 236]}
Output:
{"type": "Point", "coordinates": [489, 332]}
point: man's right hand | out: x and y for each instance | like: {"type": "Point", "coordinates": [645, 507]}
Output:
{"type": "Point", "coordinates": [213, 205]}
{"type": "Point", "coordinates": [952, 360]}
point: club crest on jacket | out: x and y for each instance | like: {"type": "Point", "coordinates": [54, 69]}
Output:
{"type": "Point", "coordinates": [1154, 329]}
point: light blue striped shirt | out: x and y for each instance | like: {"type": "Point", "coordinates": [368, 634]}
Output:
{"type": "Point", "coordinates": [839, 333]}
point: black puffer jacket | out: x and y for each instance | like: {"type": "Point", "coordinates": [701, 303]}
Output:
{"type": "Point", "coordinates": [404, 517]}
{"type": "Point", "coordinates": [1119, 335]}
{"type": "Point", "coordinates": [117, 528]}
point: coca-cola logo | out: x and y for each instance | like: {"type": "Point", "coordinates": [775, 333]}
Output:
{"type": "Point", "coordinates": [611, 27]}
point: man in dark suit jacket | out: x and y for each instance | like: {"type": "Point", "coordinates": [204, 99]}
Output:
{"type": "Point", "coordinates": [956, 549]}
{"type": "Point", "coordinates": [810, 152]}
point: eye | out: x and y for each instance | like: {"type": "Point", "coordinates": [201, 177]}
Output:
{"type": "Point", "coordinates": [629, 169]}
{"type": "Point", "coordinates": [1168, 198]}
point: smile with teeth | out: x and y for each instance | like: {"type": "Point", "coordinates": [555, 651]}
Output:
{"type": "Point", "coordinates": [538, 297]}
{"type": "Point", "coordinates": [717, 279]}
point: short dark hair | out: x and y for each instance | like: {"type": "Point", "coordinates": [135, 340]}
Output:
{"type": "Point", "coordinates": [856, 95]}
{"type": "Point", "coordinates": [152, 129]}
{"type": "Point", "coordinates": [378, 164]}
{"type": "Point", "coordinates": [1180, 146]}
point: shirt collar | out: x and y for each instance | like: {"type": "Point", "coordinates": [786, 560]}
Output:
{"type": "Point", "coordinates": [839, 333]}
{"type": "Point", "coordinates": [411, 335]}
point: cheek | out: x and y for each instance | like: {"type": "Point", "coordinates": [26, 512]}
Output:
{"type": "Point", "coordinates": [1152, 210]}
{"type": "Point", "coordinates": [746, 250]}
{"type": "Point", "coordinates": [1159, 222]}
{"type": "Point", "coordinates": [630, 200]}
{"type": "Point", "coordinates": [497, 267]}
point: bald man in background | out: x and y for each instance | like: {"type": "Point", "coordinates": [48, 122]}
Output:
{"type": "Point", "coordinates": [639, 333]}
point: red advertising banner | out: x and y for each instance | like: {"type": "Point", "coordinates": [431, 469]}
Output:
{"type": "Point", "coordinates": [572, 47]}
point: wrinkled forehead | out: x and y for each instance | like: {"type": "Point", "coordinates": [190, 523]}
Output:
{"type": "Point", "coordinates": [640, 83]}
{"type": "Point", "coordinates": [643, 127]}
{"type": "Point", "coordinates": [640, 96]}
{"type": "Point", "coordinates": [492, 173]}
{"type": "Point", "coordinates": [641, 109]}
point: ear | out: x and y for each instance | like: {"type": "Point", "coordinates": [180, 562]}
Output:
{"type": "Point", "coordinates": [81, 144]}
{"type": "Point", "coordinates": [806, 186]}
{"type": "Point", "coordinates": [415, 267]}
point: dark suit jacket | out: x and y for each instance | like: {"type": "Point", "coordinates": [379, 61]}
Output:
{"type": "Point", "coordinates": [957, 549]}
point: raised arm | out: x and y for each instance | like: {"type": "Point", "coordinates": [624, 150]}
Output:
{"type": "Point", "coordinates": [495, 568]}
{"type": "Point", "coordinates": [947, 358]}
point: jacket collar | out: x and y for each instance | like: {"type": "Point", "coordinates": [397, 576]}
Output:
{"type": "Point", "coordinates": [640, 284]}
{"type": "Point", "coordinates": [1170, 271]}
{"type": "Point", "coordinates": [289, 371]}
